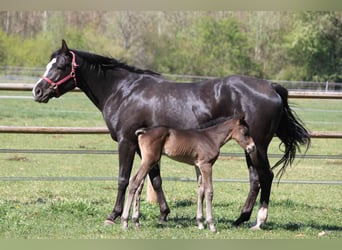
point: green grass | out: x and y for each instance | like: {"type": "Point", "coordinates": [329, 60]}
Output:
{"type": "Point", "coordinates": [77, 209]}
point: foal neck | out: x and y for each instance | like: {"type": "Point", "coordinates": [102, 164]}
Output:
{"type": "Point", "coordinates": [221, 132]}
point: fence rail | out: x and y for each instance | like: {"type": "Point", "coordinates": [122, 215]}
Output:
{"type": "Point", "coordinates": [104, 130]}
{"type": "Point", "coordinates": [292, 93]}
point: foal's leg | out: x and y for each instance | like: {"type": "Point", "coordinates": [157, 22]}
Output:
{"type": "Point", "coordinates": [200, 197]}
{"type": "Point", "coordinates": [156, 182]}
{"type": "Point", "coordinates": [206, 170]}
{"type": "Point", "coordinates": [126, 158]}
{"type": "Point", "coordinates": [134, 184]}
{"type": "Point", "coordinates": [136, 206]}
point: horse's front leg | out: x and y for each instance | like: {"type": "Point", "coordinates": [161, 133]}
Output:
{"type": "Point", "coordinates": [156, 182]}
{"type": "Point", "coordinates": [247, 209]}
{"type": "Point", "coordinates": [126, 158]}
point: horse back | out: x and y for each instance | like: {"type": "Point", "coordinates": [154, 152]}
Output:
{"type": "Point", "coordinates": [187, 105]}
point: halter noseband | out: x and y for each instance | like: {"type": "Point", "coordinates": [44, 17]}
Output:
{"type": "Point", "coordinates": [72, 75]}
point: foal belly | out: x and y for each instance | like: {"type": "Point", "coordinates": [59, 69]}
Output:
{"type": "Point", "coordinates": [183, 159]}
{"type": "Point", "coordinates": [179, 155]}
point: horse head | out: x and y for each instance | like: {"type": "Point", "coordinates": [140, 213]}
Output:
{"type": "Point", "coordinates": [59, 77]}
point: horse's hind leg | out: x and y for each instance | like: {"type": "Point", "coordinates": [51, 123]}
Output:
{"type": "Point", "coordinates": [261, 177]}
{"type": "Point", "coordinates": [266, 178]}
{"type": "Point", "coordinates": [252, 195]}
{"type": "Point", "coordinates": [156, 181]}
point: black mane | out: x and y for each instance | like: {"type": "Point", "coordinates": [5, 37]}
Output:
{"type": "Point", "coordinates": [214, 122]}
{"type": "Point", "coordinates": [104, 63]}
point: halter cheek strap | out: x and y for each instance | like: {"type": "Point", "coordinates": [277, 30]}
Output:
{"type": "Point", "coordinates": [72, 75]}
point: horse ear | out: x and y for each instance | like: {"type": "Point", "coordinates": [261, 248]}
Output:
{"type": "Point", "coordinates": [65, 48]}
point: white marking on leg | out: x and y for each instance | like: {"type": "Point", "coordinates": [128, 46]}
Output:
{"type": "Point", "coordinates": [262, 216]}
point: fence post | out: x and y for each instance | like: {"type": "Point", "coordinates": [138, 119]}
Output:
{"type": "Point", "coordinates": [151, 195]}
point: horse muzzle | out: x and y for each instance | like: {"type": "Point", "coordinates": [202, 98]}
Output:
{"type": "Point", "coordinates": [41, 94]}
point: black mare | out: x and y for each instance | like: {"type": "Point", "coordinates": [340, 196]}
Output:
{"type": "Point", "coordinates": [131, 98]}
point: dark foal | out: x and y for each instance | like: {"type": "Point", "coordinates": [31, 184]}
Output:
{"type": "Point", "coordinates": [199, 147]}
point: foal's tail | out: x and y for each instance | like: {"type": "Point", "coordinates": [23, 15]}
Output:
{"type": "Point", "coordinates": [291, 132]}
{"type": "Point", "coordinates": [140, 131]}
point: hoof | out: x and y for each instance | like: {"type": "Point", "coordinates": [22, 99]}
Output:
{"type": "Point", "coordinates": [162, 222]}
{"type": "Point", "coordinates": [212, 228]}
{"type": "Point", "coordinates": [255, 228]}
{"type": "Point", "coordinates": [124, 224]}
{"type": "Point", "coordinates": [136, 222]}
{"type": "Point", "coordinates": [108, 223]}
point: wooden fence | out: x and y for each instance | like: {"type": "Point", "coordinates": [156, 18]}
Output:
{"type": "Point", "coordinates": [292, 94]}
{"type": "Point", "coordinates": [103, 130]}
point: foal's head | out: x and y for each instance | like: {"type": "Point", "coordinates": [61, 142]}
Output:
{"type": "Point", "coordinates": [240, 133]}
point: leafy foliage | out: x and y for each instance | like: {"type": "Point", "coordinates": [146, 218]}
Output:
{"type": "Point", "coordinates": [274, 45]}
{"type": "Point", "coordinates": [316, 46]}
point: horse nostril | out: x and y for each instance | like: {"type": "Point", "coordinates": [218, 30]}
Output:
{"type": "Point", "coordinates": [38, 92]}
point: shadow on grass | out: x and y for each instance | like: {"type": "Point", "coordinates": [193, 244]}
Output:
{"type": "Point", "coordinates": [293, 226]}
{"type": "Point", "coordinates": [177, 219]}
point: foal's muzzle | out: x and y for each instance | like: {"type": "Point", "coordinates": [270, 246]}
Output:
{"type": "Point", "coordinates": [250, 148]}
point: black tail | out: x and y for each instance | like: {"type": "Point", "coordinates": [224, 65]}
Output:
{"type": "Point", "coordinates": [291, 132]}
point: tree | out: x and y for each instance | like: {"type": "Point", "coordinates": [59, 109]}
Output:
{"type": "Point", "coordinates": [315, 46]}
{"type": "Point", "coordinates": [210, 47]}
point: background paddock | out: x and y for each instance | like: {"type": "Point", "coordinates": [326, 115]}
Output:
{"type": "Point", "coordinates": [61, 185]}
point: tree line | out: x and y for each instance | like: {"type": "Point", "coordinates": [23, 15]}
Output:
{"type": "Point", "coordinates": [269, 44]}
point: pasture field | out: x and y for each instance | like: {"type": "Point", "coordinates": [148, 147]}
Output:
{"type": "Point", "coordinates": [41, 197]}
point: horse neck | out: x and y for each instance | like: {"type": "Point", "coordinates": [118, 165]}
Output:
{"type": "Point", "coordinates": [97, 86]}
{"type": "Point", "coordinates": [221, 133]}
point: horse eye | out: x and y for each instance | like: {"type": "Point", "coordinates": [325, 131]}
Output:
{"type": "Point", "coordinates": [61, 63]}
{"type": "Point", "coordinates": [61, 67]}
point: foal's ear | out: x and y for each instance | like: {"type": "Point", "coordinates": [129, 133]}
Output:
{"type": "Point", "coordinates": [242, 117]}
{"type": "Point", "coordinates": [65, 48]}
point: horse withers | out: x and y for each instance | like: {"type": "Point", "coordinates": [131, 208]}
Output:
{"type": "Point", "coordinates": [199, 147]}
